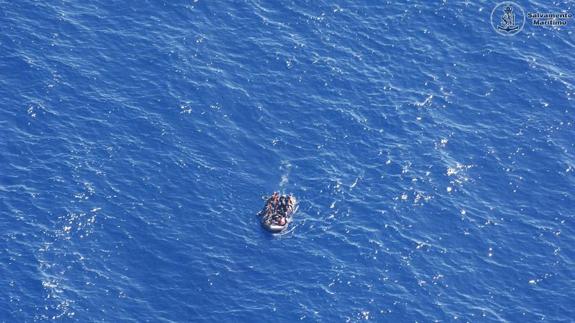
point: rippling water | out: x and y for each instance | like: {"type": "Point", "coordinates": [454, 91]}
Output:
{"type": "Point", "coordinates": [433, 159]}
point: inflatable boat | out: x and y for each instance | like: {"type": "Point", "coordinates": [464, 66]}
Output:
{"type": "Point", "coordinates": [277, 213]}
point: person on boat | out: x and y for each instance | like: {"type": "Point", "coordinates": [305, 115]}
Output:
{"type": "Point", "coordinates": [283, 204]}
{"type": "Point", "coordinates": [278, 218]}
{"type": "Point", "coordinates": [290, 203]}
{"type": "Point", "coordinates": [276, 197]}
{"type": "Point", "coordinates": [271, 204]}
{"type": "Point", "coordinates": [268, 210]}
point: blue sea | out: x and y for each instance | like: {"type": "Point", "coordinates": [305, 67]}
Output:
{"type": "Point", "coordinates": [432, 157]}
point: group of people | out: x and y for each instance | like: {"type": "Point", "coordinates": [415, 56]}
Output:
{"type": "Point", "coordinates": [278, 207]}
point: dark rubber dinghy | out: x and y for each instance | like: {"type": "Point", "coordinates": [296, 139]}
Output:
{"type": "Point", "coordinates": [277, 213]}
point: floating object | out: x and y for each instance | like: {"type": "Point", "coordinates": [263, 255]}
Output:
{"type": "Point", "coordinates": [277, 213]}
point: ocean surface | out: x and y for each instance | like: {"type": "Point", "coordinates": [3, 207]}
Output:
{"type": "Point", "coordinates": [433, 160]}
